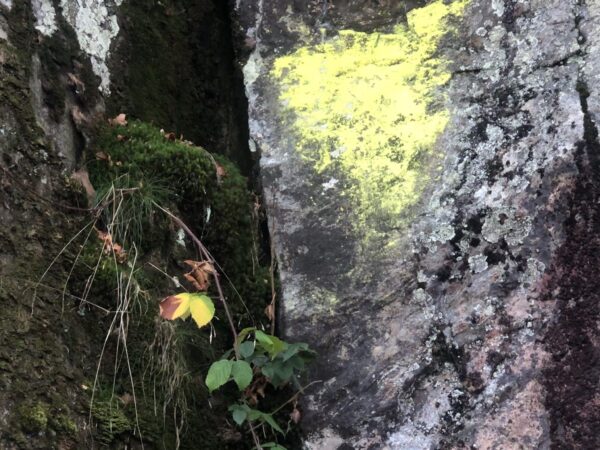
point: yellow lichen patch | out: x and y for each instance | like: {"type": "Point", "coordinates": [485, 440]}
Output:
{"type": "Point", "coordinates": [370, 105]}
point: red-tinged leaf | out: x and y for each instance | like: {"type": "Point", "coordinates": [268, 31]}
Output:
{"type": "Point", "coordinates": [184, 305]}
{"type": "Point", "coordinates": [174, 306]}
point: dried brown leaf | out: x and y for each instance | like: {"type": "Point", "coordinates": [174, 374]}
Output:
{"type": "Point", "coordinates": [200, 274]}
{"type": "Point", "coordinates": [270, 312]}
{"type": "Point", "coordinates": [295, 415]}
{"type": "Point", "coordinates": [221, 172]}
{"type": "Point", "coordinates": [120, 120]}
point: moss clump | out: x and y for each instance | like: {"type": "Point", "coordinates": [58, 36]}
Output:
{"type": "Point", "coordinates": [212, 197]}
{"type": "Point", "coordinates": [110, 420]}
{"type": "Point", "coordinates": [33, 417]}
{"type": "Point", "coordinates": [179, 72]}
{"type": "Point", "coordinates": [63, 424]}
{"type": "Point", "coordinates": [183, 177]}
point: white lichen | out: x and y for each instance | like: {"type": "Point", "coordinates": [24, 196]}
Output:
{"type": "Point", "coordinates": [45, 16]}
{"type": "Point", "coordinates": [95, 23]}
{"type": "Point", "coordinates": [478, 263]}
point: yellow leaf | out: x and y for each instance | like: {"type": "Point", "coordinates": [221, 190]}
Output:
{"type": "Point", "coordinates": [181, 306]}
{"type": "Point", "coordinates": [202, 309]}
{"type": "Point", "coordinates": [175, 306]}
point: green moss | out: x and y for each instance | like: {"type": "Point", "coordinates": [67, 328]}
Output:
{"type": "Point", "coordinates": [64, 424]}
{"type": "Point", "coordinates": [183, 177]}
{"type": "Point", "coordinates": [175, 55]}
{"type": "Point", "coordinates": [33, 417]}
{"type": "Point", "coordinates": [110, 419]}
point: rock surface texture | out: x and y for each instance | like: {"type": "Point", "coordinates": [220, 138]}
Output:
{"type": "Point", "coordinates": [66, 66]}
{"type": "Point", "coordinates": [461, 310]}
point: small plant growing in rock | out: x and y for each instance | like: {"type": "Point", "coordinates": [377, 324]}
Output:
{"type": "Point", "coordinates": [135, 176]}
{"type": "Point", "coordinates": [256, 360]}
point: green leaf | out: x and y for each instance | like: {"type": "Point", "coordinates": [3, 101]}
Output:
{"type": "Point", "coordinates": [283, 371]}
{"type": "Point", "coordinates": [269, 419]}
{"type": "Point", "coordinates": [246, 349]}
{"type": "Point", "coordinates": [218, 374]}
{"type": "Point", "coordinates": [254, 414]}
{"type": "Point", "coordinates": [272, 344]}
{"type": "Point", "coordinates": [263, 338]}
{"type": "Point", "coordinates": [272, 446]}
{"type": "Point", "coordinates": [297, 362]}
{"type": "Point", "coordinates": [259, 360]}
{"type": "Point", "coordinates": [268, 370]}
{"type": "Point", "coordinates": [244, 333]}
{"type": "Point", "coordinates": [242, 374]}
{"type": "Point", "coordinates": [291, 351]}
{"type": "Point", "coordinates": [239, 415]}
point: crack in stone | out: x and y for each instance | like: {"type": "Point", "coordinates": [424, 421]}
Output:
{"type": "Point", "coordinates": [590, 130]}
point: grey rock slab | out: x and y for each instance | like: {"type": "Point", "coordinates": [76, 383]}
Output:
{"type": "Point", "coordinates": [432, 338]}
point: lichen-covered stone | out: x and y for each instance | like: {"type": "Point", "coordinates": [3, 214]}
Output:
{"type": "Point", "coordinates": [445, 337]}
{"type": "Point", "coordinates": [55, 326]}
{"type": "Point", "coordinates": [96, 25]}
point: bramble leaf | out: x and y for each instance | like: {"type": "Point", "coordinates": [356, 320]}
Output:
{"type": "Point", "coordinates": [202, 309]}
{"type": "Point", "coordinates": [247, 349]}
{"type": "Point", "coordinates": [238, 413]}
{"type": "Point", "coordinates": [198, 305]}
{"type": "Point", "coordinates": [272, 344]}
{"type": "Point", "coordinates": [242, 374]}
{"type": "Point", "coordinates": [218, 374]}
{"type": "Point", "coordinates": [174, 306]}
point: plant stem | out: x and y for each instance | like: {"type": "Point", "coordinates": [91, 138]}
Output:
{"type": "Point", "coordinates": [206, 254]}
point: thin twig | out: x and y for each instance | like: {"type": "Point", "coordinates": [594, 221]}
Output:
{"type": "Point", "coordinates": [295, 396]}
{"type": "Point", "coordinates": [206, 254]}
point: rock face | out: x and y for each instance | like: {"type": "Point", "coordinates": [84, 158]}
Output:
{"type": "Point", "coordinates": [431, 172]}
{"type": "Point", "coordinates": [65, 66]}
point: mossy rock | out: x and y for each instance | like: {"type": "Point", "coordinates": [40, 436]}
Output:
{"type": "Point", "coordinates": [183, 177]}
{"type": "Point", "coordinates": [63, 423]}
{"type": "Point", "coordinates": [110, 420]}
{"type": "Point", "coordinates": [33, 417]}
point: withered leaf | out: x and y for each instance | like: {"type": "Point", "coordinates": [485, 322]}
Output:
{"type": "Point", "coordinates": [221, 172]}
{"type": "Point", "coordinates": [111, 247]}
{"type": "Point", "coordinates": [120, 120]}
{"type": "Point", "coordinates": [270, 312]}
{"type": "Point", "coordinates": [102, 156]}
{"type": "Point", "coordinates": [295, 415]}
{"type": "Point", "coordinates": [194, 282]}
{"type": "Point", "coordinates": [200, 274]}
